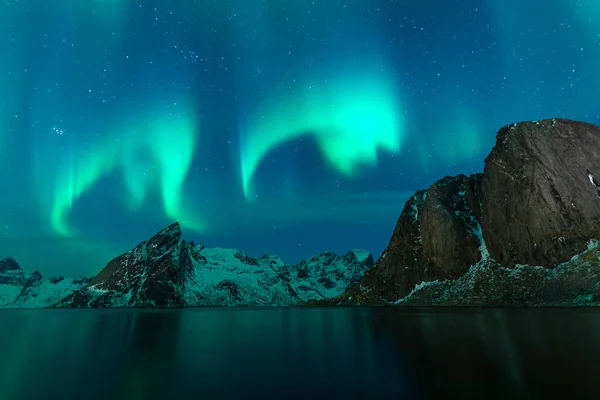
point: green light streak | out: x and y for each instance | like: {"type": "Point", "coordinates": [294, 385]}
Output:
{"type": "Point", "coordinates": [136, 176]}
{"type": "Point", "coordinates": [164, 150]}
{"type": "Point", "coordinates": [351, 118]}
{"type": "Point", "coordinates": [173, 148]}
{"type": "Point", "coordinates": [78, 174]}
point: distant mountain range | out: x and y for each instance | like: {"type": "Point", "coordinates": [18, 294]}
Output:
{"type": "Point", "coordinates": [522, 233]}
{"type": "Point", "coordinates": [166, 271]}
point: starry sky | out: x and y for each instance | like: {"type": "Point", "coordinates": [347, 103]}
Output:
{"type": "Point", "coordinates": [287, 127]}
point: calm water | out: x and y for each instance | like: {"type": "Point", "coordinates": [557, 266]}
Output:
{"type": "Point", "coordinates": [298, 353]}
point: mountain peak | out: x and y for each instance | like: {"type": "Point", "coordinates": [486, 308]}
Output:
{"type": "Point", "coordinates": [169, 235]}
{"type": "Point", "coordinates": [359, 255]}
{"type": "Point", "coordinates": [9, 264]}
{"type": "Point", "coordinates": [146, 276]}
{"type": "Point", "coordinates": [172, 230]}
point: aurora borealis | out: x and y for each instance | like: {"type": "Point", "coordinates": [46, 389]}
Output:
{"type": "Point", "coordinates": [337, 118]}
{"type": "Point", "coordinates": [274, 126]}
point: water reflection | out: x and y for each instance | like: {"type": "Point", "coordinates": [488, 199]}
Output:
{"type": "Point", "coordinates": [298, 353]}
{"type": "Point", "coordinates": [513, 354]}
{"type": "Point", "coordinates": [151, 354]}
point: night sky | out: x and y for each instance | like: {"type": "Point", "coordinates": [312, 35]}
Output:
{"type": "Point", "coordinates": [287, 127]}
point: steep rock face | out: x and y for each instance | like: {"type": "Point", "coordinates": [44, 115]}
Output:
{"type": "Point", "coordinates": [450, 227]}
{"type": "Point", "coordinates": [22, 289]}
{"type": "Point", "coordinates": [537, 203]}
{"type": "Point", "coordinates": [384, 280]}
{"type": "Point", "coordinates": [541, 192]}
{"type": "Point", "coordinates": [436, 237]}
{"type": "Point", "coordinates": [150, 275]}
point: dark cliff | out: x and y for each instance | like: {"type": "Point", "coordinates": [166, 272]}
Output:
{"type": "Point", "coordinates": [436, 237]}
{"type": "Point", "coordinates": [541, 195]}
{"type": "Point", "coordinates": [149, 275]}
{"type": "Point", "coordinates": [537, 203]}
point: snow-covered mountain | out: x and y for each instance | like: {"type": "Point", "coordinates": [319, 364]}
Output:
{"type": "Point", "coordinates": [166, 271]}
{"type": "Point", "coordinates": [230, 277]}
{"type": "Point", "coordinates": [22, 289]}
{"type": "Point", "coordinates": [327, 275]}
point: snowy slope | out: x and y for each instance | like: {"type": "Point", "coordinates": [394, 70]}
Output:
{"type": "Point", "coordinates": [46, 292]}
{"type": "Point", "coordinates": [11, 284]}
{"type": "Point", "coordinates": [488, 284]}
{"type": "Point", "coordinates": [227, 277]}
{"type": "Point", "coordinates": [22, 289]}
{"type": "Point", "coordinates": [327, 275]}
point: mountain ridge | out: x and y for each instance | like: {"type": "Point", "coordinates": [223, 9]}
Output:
{"type": "Point", "coordinates": [167, 271]}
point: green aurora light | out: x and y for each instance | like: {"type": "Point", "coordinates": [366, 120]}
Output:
{"type": "Point", "coordinates": [119, 116]}
{"type": "Point", "coordinates": [351, 119]}
{"type": "Point", "coordinates": [168, 140]}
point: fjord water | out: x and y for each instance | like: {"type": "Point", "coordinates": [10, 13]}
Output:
{"type": "Point", "coordinates": [298, 353]}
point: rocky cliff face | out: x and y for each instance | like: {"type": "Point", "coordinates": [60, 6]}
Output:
{"type": "Point", "coordinates": [541, 195]}
{"type": "Point", "coordinates": [149, 275]}
{"type": "Point", "coordinates": [19, 288]}
{"type": "Point", "coordinates": [437, 237]}
{"type": "Point", "coordinates": [537, 202]}
{"type": "Point", "coordinates": [167, 271]}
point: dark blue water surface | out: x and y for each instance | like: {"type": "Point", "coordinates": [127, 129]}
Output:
{"type": "Point", "coordinates": [299, 353]}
